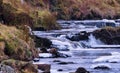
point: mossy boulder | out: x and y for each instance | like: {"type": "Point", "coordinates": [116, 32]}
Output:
{"type": "Point", "coordinates": [18, 44]}
{"type": "Point", "coordinates": [109, 35]}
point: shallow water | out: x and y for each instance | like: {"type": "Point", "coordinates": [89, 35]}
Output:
{"type": "Point", "coordinates": [83, 58]}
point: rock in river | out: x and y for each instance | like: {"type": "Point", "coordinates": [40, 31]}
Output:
{"type": "Point", "coordinates": [81, 70]}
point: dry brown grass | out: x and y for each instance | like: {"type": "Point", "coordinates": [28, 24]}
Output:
{"type": "Point", "coordinates": [82, 8]}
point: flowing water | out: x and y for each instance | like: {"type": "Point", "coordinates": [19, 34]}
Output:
{"type": "Point", "coordinates": [80, 56]}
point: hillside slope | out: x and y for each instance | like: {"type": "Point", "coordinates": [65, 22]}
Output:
{"type": "Point", "coordinates": [34, 13]}
{"type": "Point", "coordinates": [86, 9]}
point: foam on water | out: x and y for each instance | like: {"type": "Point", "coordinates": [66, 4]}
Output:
{"type": "Point", "coordinates": [94, 41]}
{"type": "Point", "coordinates": [115, 57]}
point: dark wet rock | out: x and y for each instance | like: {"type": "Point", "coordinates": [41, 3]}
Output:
{"type": "Point", "coordinates": [42, 42]}
{"type": "Point", "coordinates": [108, 35]}
{"type": "Point", "coordinates": [64, 63]}
{"type": "Point", "coordinates": [44, 67]}
{"type": "Point", "coordinates": [57, 54]}
{"type": "Point", "coordinates": [81, 70]}
{"type": "Point", "coordinates": [80, 36]}
{"type": "Point", "coordinates": [36, 59]}
{"type": "Point", "coordinates": [2, 53]}
{"type": "Point", "coordinates": [43, 50]}
{"type": "Point", "coordinates": [102, 67]}
{"type": "Point", "coordinates": [56, 61]}
{"type": "Point", "coordinates": [39, 29]}
{"type": "Point", "coordinates": [60, 69]}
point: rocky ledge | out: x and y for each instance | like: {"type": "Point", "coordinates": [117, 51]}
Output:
{"type": "Point", "coordinates": [108, 35]}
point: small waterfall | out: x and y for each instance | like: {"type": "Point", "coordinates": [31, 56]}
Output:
{"type": "Point", "coordinates": [94, 41]}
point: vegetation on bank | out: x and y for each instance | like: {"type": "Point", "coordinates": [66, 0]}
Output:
{"type": "Point", "coordinates": [32, 13]}
{"type": "Point", "coordinates": [85, 9]}
{"type": "Point", "coordinates": [16, 44]}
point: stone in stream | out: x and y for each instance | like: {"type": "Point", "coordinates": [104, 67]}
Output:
{"type": "Point", "coordinates": [101, 66]}
{"type": "Point", "coordinates": [56, 61]}
{"type": "Point", "coordinates": [36, 59]}
{"type": "Point", "coordinates": [44, 67]}
{"type": "Point", "coordinates": [108, 35]}
{"type": "Point", "coordinates": [60, 69]}
{"type": "Point", "coordinates": [80, 36]}
{"type": "Point", "coordinates": [57, 54]}
{"type": "Point", "coordinates": [64, 63]}
{"type": "Point", "coordinates": [81, 70]}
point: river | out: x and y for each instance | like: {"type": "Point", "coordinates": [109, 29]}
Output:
{"type": "Point", "coordinates": [80, 56]}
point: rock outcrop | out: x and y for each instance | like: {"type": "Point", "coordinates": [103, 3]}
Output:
{"type": "Point", "coordinates": [109, 35]}
{"type": "Point", "coordinates": [81, 70]}
{"type": "Point", "coordinates": [78, 37]}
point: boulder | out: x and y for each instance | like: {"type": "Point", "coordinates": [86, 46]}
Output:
{"type": "Point", "coordinates": [80, 36]}
{"type": "Point", "coordinates": [56, 54]}
{"type": "Point", "coordinates": [101, 66]}
{"type": "Point", "coordinates": [42, 42]}
{"type": "Point", "coordinates": [65, 63]}
{"type": "Point", "coordinates": [108, 35]}
{"type": "Point", "coordinates": [81, 70]}
{"type": "Point", "coordinates": [44, 67]}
